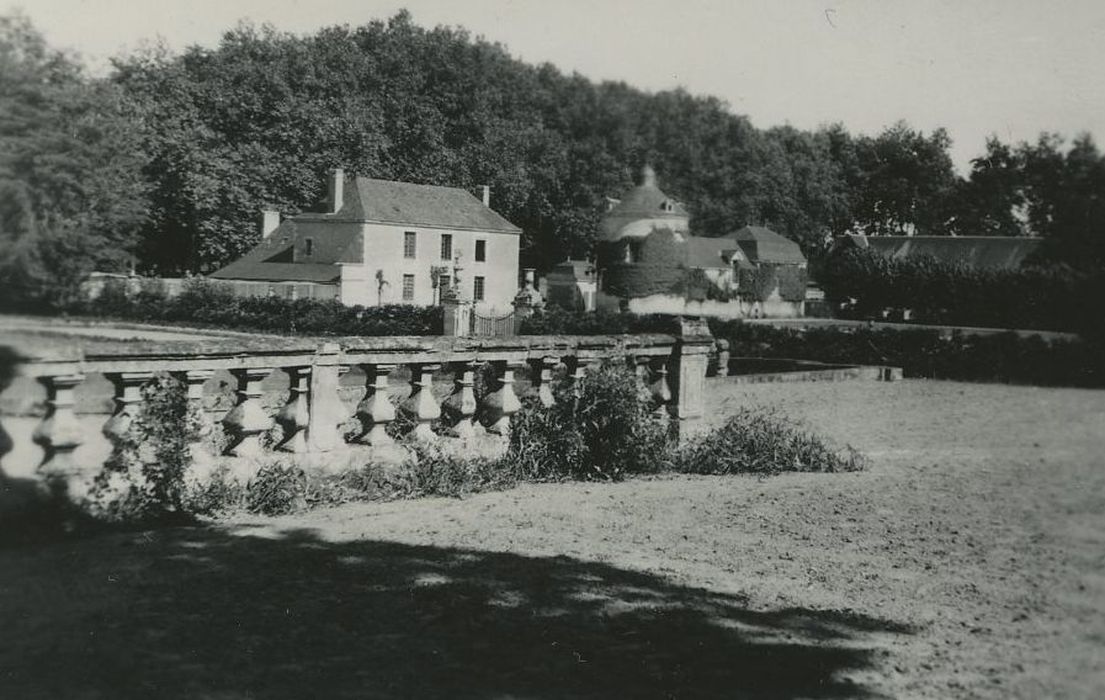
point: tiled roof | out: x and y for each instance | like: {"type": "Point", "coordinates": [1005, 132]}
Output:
{"type": "Point", "coordinates": [279, 272]}
{"type": "Point", "coordinates": [995, 252]}
{"type": "Point", "coordinates": [712, 253]}
{"type": "Point", "coordinates": [407, 204]}
{"type": "Point", "coordinates": [645, 201]}
{"type": "Point", "coordinates": [762, 245]}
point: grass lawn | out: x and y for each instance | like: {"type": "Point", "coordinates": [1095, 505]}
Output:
{"type": "Point", "coordinates": [969, 561]}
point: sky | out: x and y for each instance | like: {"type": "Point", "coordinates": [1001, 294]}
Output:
{"type": "Point", "coordinates": [1011, 68]}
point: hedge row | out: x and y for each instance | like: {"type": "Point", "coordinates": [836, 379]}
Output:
{"type": "Point", "coordinates": [212, 304]}
{"type": "Point", "coordinates": [1046, 298]}
{"type": "Point", "coordinates": [1001, 357]}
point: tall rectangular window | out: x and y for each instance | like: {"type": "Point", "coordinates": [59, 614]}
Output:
{"type": "Point", "coordinates": [408, 287]}
{"type": "Point", "coordinates": [308, 247]}
{"type": "Point", "coordinates": [446, 246]}
{"type": "Point", "coordinates": [481, 251]}
{"type": "Point", "coordinates": [410, 243]}
{"type": "Point", "coordinates": [477, 288]}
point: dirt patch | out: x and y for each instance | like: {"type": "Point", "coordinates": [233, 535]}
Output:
{"type": "Point", "coordinates": [969, 561]}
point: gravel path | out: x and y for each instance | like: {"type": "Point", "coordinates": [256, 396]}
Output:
{"type": "Point", "coordinates": [969, 561]}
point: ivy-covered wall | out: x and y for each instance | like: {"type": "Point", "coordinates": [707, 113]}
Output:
{"type": "Point", "coordinates": [661, 266]}
{"type": "Point", "coordinates": [758, 284]}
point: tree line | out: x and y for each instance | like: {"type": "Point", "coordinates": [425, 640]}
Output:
{"type": "Point", "coordinates": [164, 163]}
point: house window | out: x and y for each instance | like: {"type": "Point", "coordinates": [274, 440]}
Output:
{"type": "Point", "coordinates": [408, 287]}
{"type": "Point", "coordinates": [477, 288]}
{"type": "Point", "coordinates": [446, 246]}
{"type": "Point", "coordinates": [481, 251]}
{"type": "Point", "coordinates": [444, 281]}
{"type": "Point", "coordinates": [410, 243]}
{"type": "Point", "coordinates": [308, 247]}
{"type": "Point", "coordinates": [632, 252]}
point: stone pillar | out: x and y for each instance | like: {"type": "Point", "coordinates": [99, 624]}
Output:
{"type": "Point", "coordinates": [375, 410]}
{"type": "Point", "coordinates": [248, 420]}
{"type": "Point", "coordinates": [690, 357]}
{"type": "Point", "coordinates": [502, 403]}
{"type": "Point", "coordinates": [59, 433]}
{"type": "Point", "coordinates": [294, 417]}
{"type": "Point", "coordinates": [722, 357]}
{"type": "Point", "coordinates": [324, 406]}
{"type": "Point", "coordinates": [459, 408]}
{"type": "Point", "coordinates": [457, 316]}
{"type": "Point", "coordinates": [421, 405]}
{"type": "Point", "coordinates": [128, 397]}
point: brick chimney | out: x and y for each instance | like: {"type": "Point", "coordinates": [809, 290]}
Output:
{"type": "Point", "coordinates": [335, 194]}
{"type": "Point", "coordinates": [270, 220]}
{"type": "Point", "coordinates": [487, 195]}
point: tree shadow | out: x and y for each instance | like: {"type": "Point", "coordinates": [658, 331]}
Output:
{"type": "Point", "coordinates": [218, 612]}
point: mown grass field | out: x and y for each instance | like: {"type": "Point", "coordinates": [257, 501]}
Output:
{"type": "Point", "coordinates": [968, 561]}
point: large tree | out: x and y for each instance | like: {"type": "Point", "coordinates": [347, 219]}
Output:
{"type": "Point", "coordinates": [72, 197]}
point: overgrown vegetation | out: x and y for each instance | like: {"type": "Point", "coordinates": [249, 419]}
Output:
{"type": "Point", "coordinates": [210, 303]}
{"type": "Point", "coordinates": [763, 441]}
{"type": "Point", "coordinates": [604, 427]}
{"type": "Point", "coordinates": [144, 478]}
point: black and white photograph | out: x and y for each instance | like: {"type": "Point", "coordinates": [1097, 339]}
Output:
{"type": "Point", "coordinates": [517, 349]}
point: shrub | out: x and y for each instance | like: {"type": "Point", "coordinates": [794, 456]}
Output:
{"type": "Point", "coordinates": [762, 441]}
{"type": "Point", "coordinates": [277, 489]}
{"type": "Point", "coordinates": [602, 428]}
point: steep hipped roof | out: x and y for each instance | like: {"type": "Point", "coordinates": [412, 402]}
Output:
{"type": "Point", "coordinates": [643, 202]}
{"type": "Point", "coordinates": [994, 252]}
{"type": "Point", "coordinates": [762, 245]}
{"type": "Point", "coordinates": [404, 203]}
{"type": "Point", "coordinates": [713, 253]}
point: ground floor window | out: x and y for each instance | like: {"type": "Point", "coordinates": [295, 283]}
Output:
{"type": "Point", "coordinates": [477, 289]}
{"type": "Point", "coordinates": [408, 287]}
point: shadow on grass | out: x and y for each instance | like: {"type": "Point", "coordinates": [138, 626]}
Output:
{"type": "Point", "coordinates": [212, 612]}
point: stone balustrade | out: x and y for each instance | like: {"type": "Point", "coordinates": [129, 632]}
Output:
{"type": "Point", "coordinates": [315, 407]}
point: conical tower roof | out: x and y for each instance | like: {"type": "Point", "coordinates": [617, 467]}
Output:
{"type": "Point", "coordinates": [644, 203]}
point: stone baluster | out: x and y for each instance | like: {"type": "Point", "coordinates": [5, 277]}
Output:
{"type": "Point", "coordinates": [543, 377]}
{"type": "Point", "coordinates": [248, 420]}
{"type": "Point", "coordinates": [502, 403]}
{"type": "Point", "coordinates": [128, 397]}
{"type": "Point", "coordinates": [661, 388]}
{"type": "Point", "coordinates": [421, 405]}
{"type": "Point", "coordinates": [194, 379]}
{"type": "Point", "coordinates": [59, 433]}
{"type": "Point", "coordinates": [375, 410]}
{"type": "Point", "coordinates": [459, 408]}
{"type": "Point", "coordinates": [722, 357]}
{"type": "Point", "coordinates": [294, 417]}
{"type": "Point", "coordinates": [579, 371]}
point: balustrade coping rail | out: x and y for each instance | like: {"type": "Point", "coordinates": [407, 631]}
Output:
{"type": "Point", "coordinates": [236, 353]}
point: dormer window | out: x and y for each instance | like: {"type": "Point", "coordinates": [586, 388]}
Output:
{"type": "Point", "coordinates": [667, 206]}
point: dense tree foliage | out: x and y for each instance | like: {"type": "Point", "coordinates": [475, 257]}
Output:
{"type": "Point", "coordinates": [72, 195]}
{"type": "Point", "coordinates": [170, 158]}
